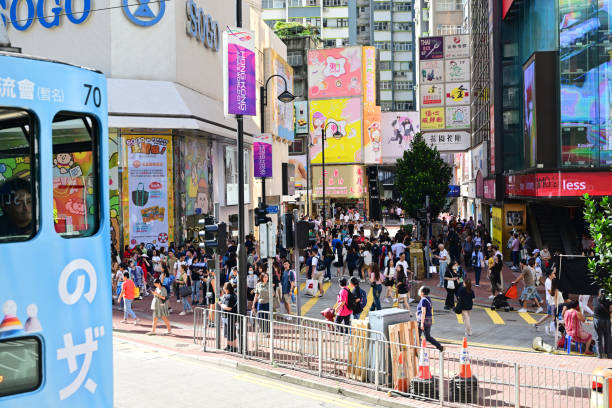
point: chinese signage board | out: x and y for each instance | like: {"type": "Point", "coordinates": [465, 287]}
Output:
{"type": "Point", "coordinates": [301, 117]}
{"type": "Point", "coordinates": [334, 72]}
{"type": "Point", "coordinates": [549, 185]}
{"type": "Point", "coordinates": [448, 141]}
{"type": "Point", "coordinates": [239, 72]}
{"type": "Point", "coordinates": [444, 84]}
{"type": "Point", "coordinates": [431, 48]}
{"type": "Point", "coordinates": [340, 181]}
{"type": "Point", "coordinates": [262, 156]}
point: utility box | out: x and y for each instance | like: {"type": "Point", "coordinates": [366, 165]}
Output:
{"type": "Point", "coordinates": [380, 320]}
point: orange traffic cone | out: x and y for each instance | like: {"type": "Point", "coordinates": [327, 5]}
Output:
{"type": "Point", "coordinates": [424, 363]}
{"type": "Point", "coordinates": [464, 361]}
{"type": "Point", "coordinates": [402, 380]}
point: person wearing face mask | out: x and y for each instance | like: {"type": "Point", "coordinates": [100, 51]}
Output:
{"type": "Point", "coordinates": [251, 282]}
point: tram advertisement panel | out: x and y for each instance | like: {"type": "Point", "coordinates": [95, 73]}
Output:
{"type": "Point", "coordinates": [146, 183]}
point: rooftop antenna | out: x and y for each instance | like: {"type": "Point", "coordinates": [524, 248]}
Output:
{"type": "Point", "coordinates": [5, 42]}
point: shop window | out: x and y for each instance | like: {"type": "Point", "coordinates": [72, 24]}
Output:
{"type": "Point", "coordinates": [18, 191]}
{"type": "Point", "coordinates": [75, 175]}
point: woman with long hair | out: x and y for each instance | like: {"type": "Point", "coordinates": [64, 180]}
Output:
{"type": "Point", "coordinates": [451, 284]}
{"type": "Point", "coordinates": [389, 279]}
{"type": "Point", "coordinates": [465, 294]}
{"type": "Point", "coordinates": [376, 280]}
{"type": "Point", "coordinates": [574, 321]}
{"type": "Point", "coordinates": [401, 287]}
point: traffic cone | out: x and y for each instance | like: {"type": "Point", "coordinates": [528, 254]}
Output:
{"type": "Point", "coordinates": [424, 373]}
{"type": "Point", "coordinates": [402, 380]}
{"type": "Point", "coordinates": [464, 361]}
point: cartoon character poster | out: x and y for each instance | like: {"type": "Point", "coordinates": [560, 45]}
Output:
{"type": "Point", "coordinates": [372, 135]}
{"type": "Point", "coordinates": [398, 130]}
{"type": "Point", "coordinates": [457, 70]}
{"type": "Point", "coordinates": [341, 119]}
{"type": "Point", "coordinates": [432, 72]}
{"type": "Point", "coordinates": [198, 160]}
{"type": "Point", "coordinates": [73, 199]}
{"type": "Point", "coordinates": [147, 185]}
{"type": "Point", "coordinates": [334, 72]}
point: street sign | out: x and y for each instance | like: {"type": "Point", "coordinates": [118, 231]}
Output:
{"type": "Point", "coordinates": [267, 240]}
{"type": "Point", "coordinates": [272, 209]}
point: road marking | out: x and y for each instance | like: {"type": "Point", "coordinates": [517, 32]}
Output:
{"type": "Point", "coordinates": [526, 317]}
{"type": "Point", "coordinates": [368, 305]}
{"type": "Point", "coordinates": [459, 318]}
{"type": "Point", "coordinates": [306, 394]}
{"type": "Point", "coordinates": [313, 300]}
{"type": "Point", "coordinates": [494, 316]}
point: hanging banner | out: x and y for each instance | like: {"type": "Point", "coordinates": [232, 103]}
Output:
{"type": "Point", "coordinates": [262, 155]}
{"type": "Point", "coordinates": [372, 135]}
{"type": "Point", "coordinates": [301, 117]}
{"type": "Point", "coordinates": [238, 72]}
{"type": "Point", "coordinates": [279, 115]}
{"type": "Point", "coordinates": [147, 185]}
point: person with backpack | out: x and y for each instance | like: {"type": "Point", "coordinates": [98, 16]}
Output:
{"type": "Point", "coordinates": [360, 296]}
{"type": "Point", "coordinates": [344, 301]}
{"type": "Point", "coordinates": [477, 264]}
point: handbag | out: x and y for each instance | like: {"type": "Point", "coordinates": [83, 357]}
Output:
{"type": "Point", "coordinates": [458, 307]}
{"type": "Point", "coordinates": [185, 291]}
{"type": "Point", "coordinates": [450, 284]}
{"type": "Point", "coordinates": [140, 196]}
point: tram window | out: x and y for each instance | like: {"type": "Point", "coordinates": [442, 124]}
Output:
{"type": "Point", "coordinates": [76, 206]}
{"type": "Point", "coordinates": [18, 193]}
{"type": "Point", "coordinates": [20, 365]}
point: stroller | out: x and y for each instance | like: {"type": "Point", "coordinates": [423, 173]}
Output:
{"type": "Point", "coordinates": [501, 301]}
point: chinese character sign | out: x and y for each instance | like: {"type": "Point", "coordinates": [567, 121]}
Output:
{"type": "Point", "coordinates": [432, 72]}
{"type": "Point", "coordinates": [239, 72]}
{"type": "Point", "coordinates": [448, 141]}
{"type": "Point", "coordinates": [369, 76]}
{"type": "Point", "coordinates": [432, 118]}
{"type": "Point", "coordinates": [431, 48]}
{"type": "Point", "coordinates": [262, 156]}
{"type": "Point", "coordinates": [334, 72]}
{"type": "Point", "coordinates": [457, 70]}
{"type": "Point", "coordinates": [457, 46]}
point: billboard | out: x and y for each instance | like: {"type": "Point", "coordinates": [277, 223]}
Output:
{"type": "Point", "coordinates": [449, 141]}
{"type": "Point", "coordinates": [457, 93]}
{"type": "Point", "coordinates": [432, 118]}
{"type": "Point", "coordinates": [334, 72]}
{"type": "Point", "coordinates": [529, 116]}
{"type": "Point", "coordinates": [198, 160]}
{"type": "Point", "coordinates": [346, 181]}
{"type": "Point", "coordinates": [559, 184]}
{"type": "Point", "coordinates": [457, 46]}
{"type": "Point", "coordinates": [279, 115]}
{"type": "Point", "coordinates": [457, 70]}
{"type": "Point", "coordinates": [398, 130]}
{"type": "Point", "coordinates": [458, 117]}
{"type": "Point", "coordinates": [300, 114]}
{"type": "Point", "coordinates": [432, 95]}
{"type": "Point", "coordinates": [372, 135]}
{"type": "Point", "coordinates": [345, 118]}
{"type": "Point", "coordinates": [238, 72]}
{"type": "Point", "coordinates": [431, 48]}
{"type": "Point", "coordinates": [301, 170]}
{"type": "Point", "coordinates": [432, 72]}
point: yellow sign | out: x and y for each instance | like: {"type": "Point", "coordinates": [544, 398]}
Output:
{"type": "Point", "coordinates": [498, 226]}
{"type": "Point", "coordinates": [432, 118]}
{"type": "Point", "coordinates": [341, 121]}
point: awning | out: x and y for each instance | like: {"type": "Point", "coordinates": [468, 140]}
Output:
{"type": "Point", "coordinates": [148, 104]}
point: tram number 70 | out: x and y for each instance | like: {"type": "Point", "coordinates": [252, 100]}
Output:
{"type": "Point", "coordinates": [94, 93]}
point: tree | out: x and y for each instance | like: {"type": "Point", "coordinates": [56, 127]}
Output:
{"type": "Point", "coordinates": [421, 172]}
{"type": "Point", "coordinates": [599, 217]}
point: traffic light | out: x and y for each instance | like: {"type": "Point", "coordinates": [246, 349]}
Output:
{"type": "Point", "coordinates": [287, 231]}
{"type": "Point", "coordinates": [303, 229]}
{"type": "Point", "coordinates": [215, 236]}
{"type": "Point", "coordinates": [374, 193]}
{"type": "Point", "coordinates": [261, 216]}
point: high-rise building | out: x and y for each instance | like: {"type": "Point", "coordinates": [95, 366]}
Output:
{"type": "Point", "coordinates": [387, 25]}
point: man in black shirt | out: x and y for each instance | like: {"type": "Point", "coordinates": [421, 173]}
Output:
{"type": "Point", "coordinates": [602, 308]}
{"type": "Point", "coordinates": [16, 204]}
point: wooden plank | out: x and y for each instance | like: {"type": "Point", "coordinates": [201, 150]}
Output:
{"type": "Point", "coordinates": [394, 337]}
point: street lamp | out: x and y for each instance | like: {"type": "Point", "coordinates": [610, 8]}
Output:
{"type": "Point", "coordinates": [336, 135]}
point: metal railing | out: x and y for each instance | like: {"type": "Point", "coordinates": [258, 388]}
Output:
{"type": "Point", "coordinates": [366, 357]}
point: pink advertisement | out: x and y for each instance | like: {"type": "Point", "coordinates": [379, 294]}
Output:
{"type": "Point", "coordinates": [398, 130]}
{"type": "Point", "coordinates": [334, 72]}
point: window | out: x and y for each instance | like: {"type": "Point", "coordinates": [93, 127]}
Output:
{"type": "Point", "coordinates": [335, 3]}
{"type": "Point", "coordinates": [403, 85]}
{"type": "Point", "coordinates": [295, 3]}
{"type": "Point", "coordinates": [449, 29]}
{"type": "Point", "coordinates": [402, 66]}
{"type": "Point", "coordinates": [314, 21]}
{"type": "Point", "coordinates": [294, 58]}
{"type": "Point", "coordinates": [384, 65]}
{"type": "Point", "coordinates": [403, 106]}
{"type": "Point", "coordinates": [383, 45]}
{"type": "Point", "coordinates": [386, 105]}
{"type": "Point", "coordinates": [335, 22]}
{"type": "Point", "coordinates": [76, 206]}
{"type": "Point", "coordinates": [402, 26]}
{"type": "Point", "coordinates": [449, 5]}
{"type": "Point", "coordinates": [18, 159]}
{"type": "Point", "coordinates": [381, 26]}
{"type": "Point", "coordinates": [272, 4]}
{"type": "Point", "coordinates": [402, 46]}
{"type": "Point", "coordinates": [21, 361]}
{"type": "Point", "coordinates": [385, 84]}
{"type": "Point", "coordinates": [297, 147]}
{"type": "Point", "coordinates": [382, 6]}
{"type": "Point", "coordinates": [312, 2]}
{"type": "Point", "coordinates": [402, 7]}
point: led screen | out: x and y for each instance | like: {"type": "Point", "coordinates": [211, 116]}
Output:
{"type": "Point", "coordinates": [529, 98]}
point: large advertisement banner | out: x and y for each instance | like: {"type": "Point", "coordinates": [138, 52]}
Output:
{"type": "Point", "coordinates": [432, 118]}
{"type": "Point", "coordinates": [239, 72]}
{"type": "Point", "coordinates": [372, 135]}
{"type": "Point", "coordinates": [301, 170]}
{"type": "Point", "coordinates": [457, 46]}
{"type": "Point", "coordinates": [398, 130]}
{"type": "Point", "coordinates": [342, 116]}
{"type": "Point", "coordinates": [147, 185]}
{"type": "Point", "coordinates": [431, 48]}
{"type": "Point", "coordinates": [282, 113]}
{"type": "Point", "coordinates": [230, 158]}
{"type": "Point", "coordinates": [198, 161]}
{"type": "Point", "coordinates": [432, 72]}
{"type": "Point", "coordinates": [529, 117]}
{"type": "Point", "coordinates": [340, 181]}
{"type": "Point", "coordinates": [334, 72]}
{"type": "Point", "coordinates": [559, 184]}
{"type": "Point", "coordinates": [262, 156]}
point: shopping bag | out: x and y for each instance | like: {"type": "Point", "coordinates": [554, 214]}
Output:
{"type": "Point", "coordinates": [433, 269]}
{"type": "Point", "coordinates": [312, 287]}
{"type": "Point", "coordinates": [136, 292]}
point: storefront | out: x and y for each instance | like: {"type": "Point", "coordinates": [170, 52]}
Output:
{"type": "Point", "coordinates": [173, 152]}
{"type": "Point", "coordinates": [345, 187]}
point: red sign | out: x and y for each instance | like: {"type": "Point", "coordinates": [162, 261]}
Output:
{"type": "Point", "coordinates": [559, 184]}
{"type": "Point", "coordinates": [506, 4]}
{"type": "Point", "coordinates": [489, 189]}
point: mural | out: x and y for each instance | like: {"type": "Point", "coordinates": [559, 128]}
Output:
{"type": "Point", "coordinates": [334, 72]}
{"type": "Point", "coordinates": [398, 130]}
{"type": "Point", "coordinates": [345, 116]}
{"type": "Point", "coordinates": [198, 161]}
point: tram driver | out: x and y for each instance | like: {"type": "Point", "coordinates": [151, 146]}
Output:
{"type": "Point", "coordinates": [16, 205]}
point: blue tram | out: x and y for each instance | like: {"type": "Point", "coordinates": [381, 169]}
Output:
{"type": "Point", "coordinates": [55, 321]}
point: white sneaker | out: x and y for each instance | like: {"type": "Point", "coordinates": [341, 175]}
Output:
{"type": "Point", "coordinates": [182, 313]}
{"type": "Point", "coordinates": [547, 329]}
{"type": "Point", "coordinates": [386, 300]}
{"type": "Point", "coordinates": [123, 321]}
{"type": "Point", "coordinates": [539, 310]}
{"type": "Point", "coordinates": [410, 300]}
{"type": "Point", "coordinates": [491, 297]}
{"type": "Point", "coordinates": [522, 310]}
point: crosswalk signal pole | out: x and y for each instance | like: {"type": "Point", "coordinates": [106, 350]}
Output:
{"type": "Point", "coordinates": [296, 264]}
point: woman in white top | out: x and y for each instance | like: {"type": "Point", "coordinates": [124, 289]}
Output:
{"type": "Point", "coordinates": [389, 279]}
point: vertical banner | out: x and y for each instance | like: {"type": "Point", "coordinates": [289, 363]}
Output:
{"type": "Point", "coordinates": [372, 135]}
{"type": "Point", "coordinates": [238, 72]}
{"type": "Point", "coordinates": [262, 155]}
{"type": "Point", "coordinates": [301, 117]}
{"type": "Point", "coordinates": [147, 187]}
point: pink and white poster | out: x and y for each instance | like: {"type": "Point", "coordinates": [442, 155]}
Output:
{"type": "Point", "coordinates": [398, 130]}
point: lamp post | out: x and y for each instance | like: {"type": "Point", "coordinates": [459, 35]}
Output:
{"type": "Point", "coordinates": [336, 135]}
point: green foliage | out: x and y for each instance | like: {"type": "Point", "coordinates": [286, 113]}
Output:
{"type": "Point", "coordinates": [284, 30]}
{"type": "Point", "coordinates": [599, 217]}
{"type": "Point", "coordinates": [421, 172]}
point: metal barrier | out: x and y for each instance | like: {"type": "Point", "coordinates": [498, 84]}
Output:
{"type": "Point", "coordinates": [336, 351]}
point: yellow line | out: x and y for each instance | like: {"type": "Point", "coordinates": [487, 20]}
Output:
{"type": "Point", "coordinates": [459, 318]}
{"type": "Point", "coordinates": [495, 316]}
{"type": "Point", "coordinates": [295, 391]}
{"type": "Point", "coordinates": [526, 317]}
{"type": "Point", "coordinates": [368, 306]}
{"type": "Point", "coordinates": [312, 301]}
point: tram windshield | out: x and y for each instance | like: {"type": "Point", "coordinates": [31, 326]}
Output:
{"type": "Point", "coordinates": [75, 175]}
{"type": "Point", "coordinates": [18, 212]}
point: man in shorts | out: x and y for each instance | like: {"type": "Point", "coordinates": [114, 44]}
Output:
{"type": "Point", "coordinates": [287, 285]}
{"type": "Point", "coordinates": [529, 291]}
